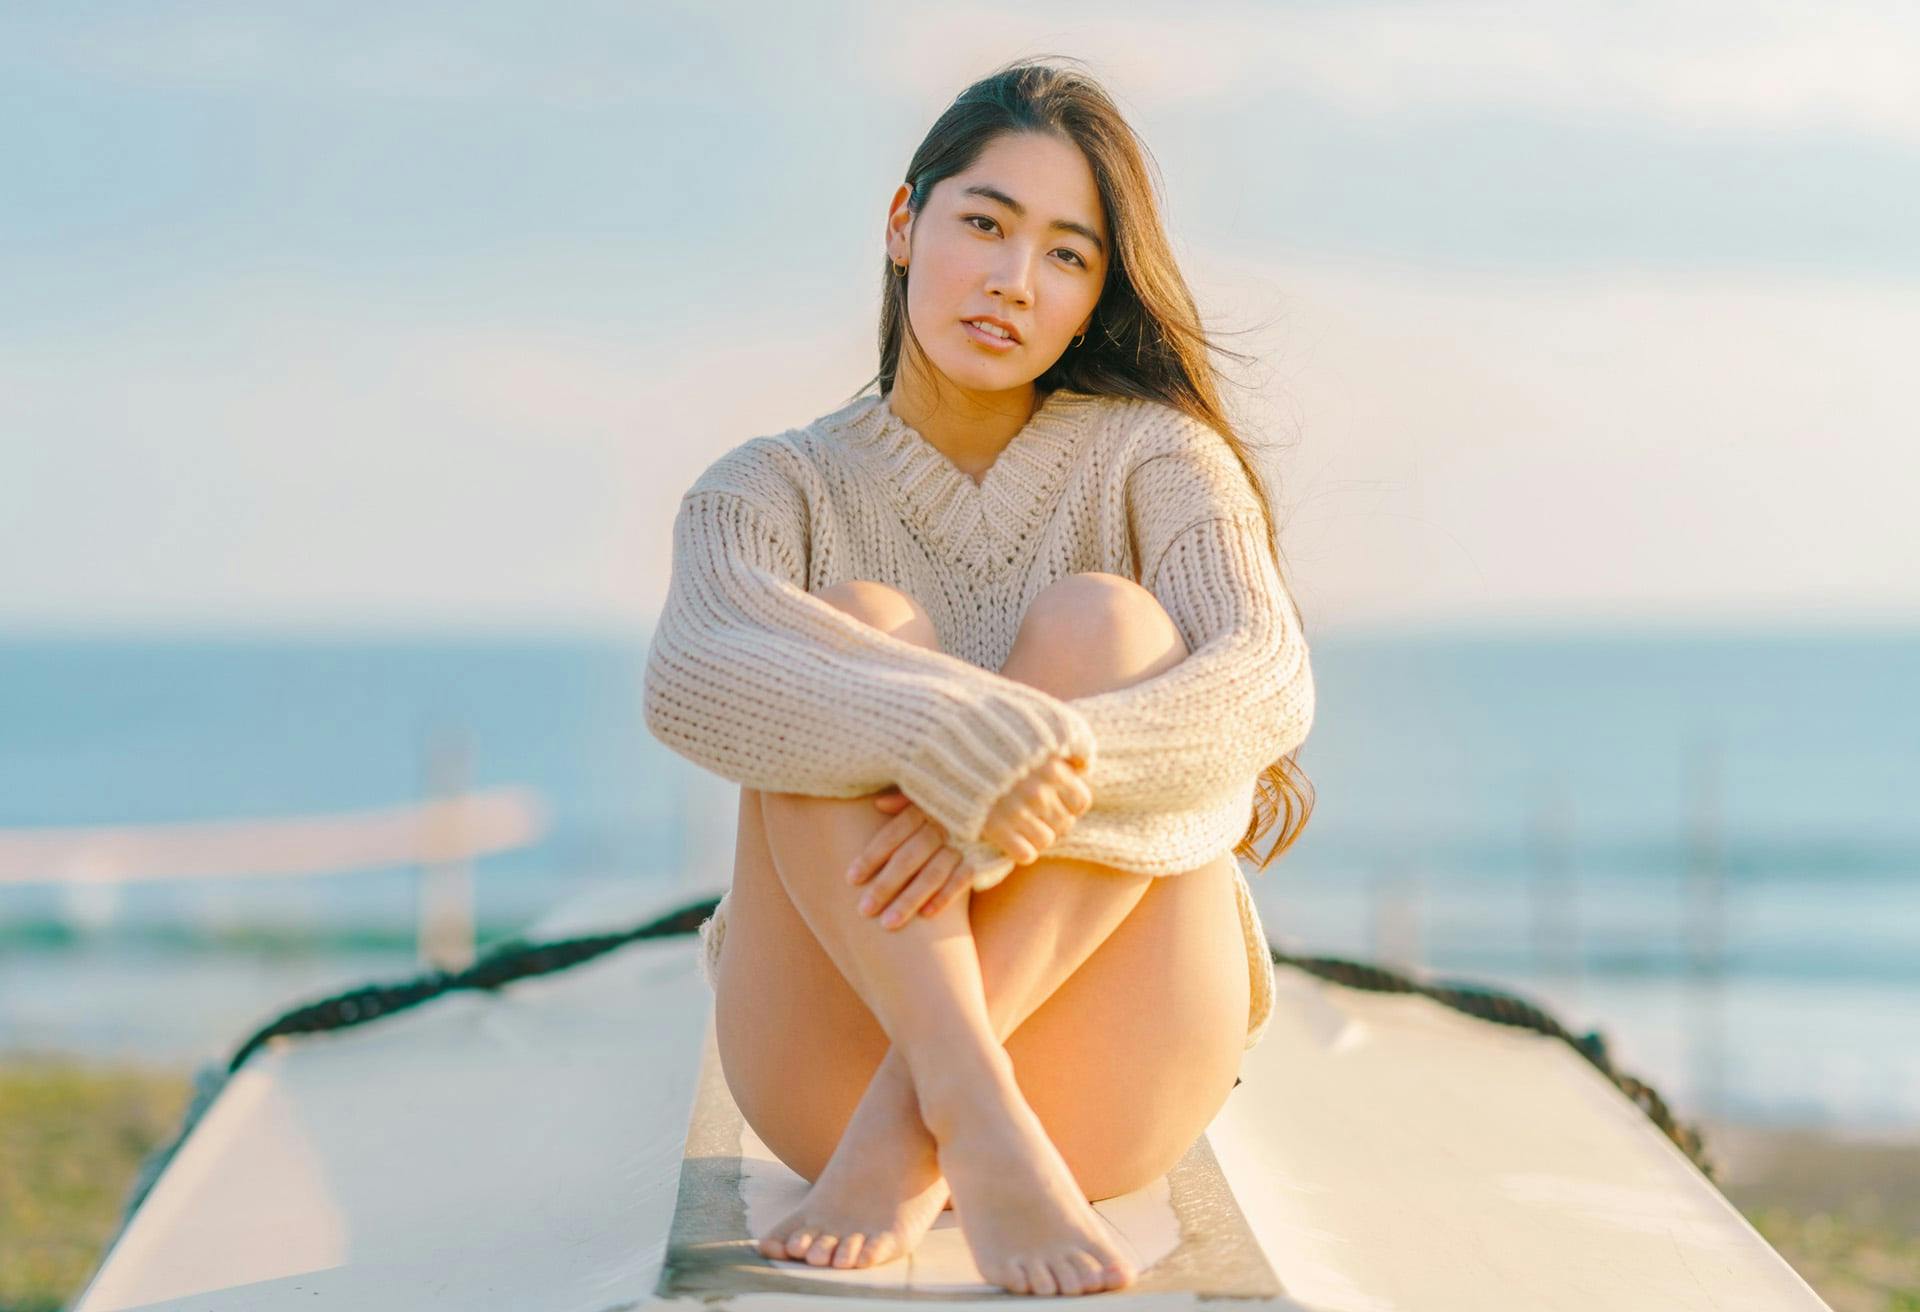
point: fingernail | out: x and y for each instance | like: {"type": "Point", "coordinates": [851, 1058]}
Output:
{"type": "Point", "coordinates": [866, 906]}
{"type": "Point", "coordinates": [893, 919]}
{"type": "Point", "coordinates": [853, 873]}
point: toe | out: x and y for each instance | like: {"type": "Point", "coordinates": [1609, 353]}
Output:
{"type": "Point", "coordinates": [1066, 1274]}
{"type": "Point", "coordinates": [799, 1242]}
{"type": "Point", "coordinates": [1040, 1277]}
{"type": "Point", "coordinates": [1118, 1275]}
{"type": "Point", "coordinates": [1091, 1271]}
{"type": "Point", "coordinates": [848, 1253]}
{"type": "Point", "coordinates": [821, 1251]}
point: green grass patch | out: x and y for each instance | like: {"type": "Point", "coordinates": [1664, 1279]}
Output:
{"type": "Point", "coordinates": [72, 1138]}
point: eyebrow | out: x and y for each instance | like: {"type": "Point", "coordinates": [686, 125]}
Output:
{"type": "Point", "coordinates": [1064, 225]}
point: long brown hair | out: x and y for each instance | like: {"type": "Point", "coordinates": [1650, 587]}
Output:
{"type": "Point", "coordinates": [1145, 339]}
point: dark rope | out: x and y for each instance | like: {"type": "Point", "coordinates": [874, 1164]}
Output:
{"type": "Point", "coordinates": [518, 959]}
{"type": "Point", "coordinates": [1508, 1009]}
{"type": "Point", "coordinates": [515, 958]}
{"type": "Point", "coordinates": [512, 959]}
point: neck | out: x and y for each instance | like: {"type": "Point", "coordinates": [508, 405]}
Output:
{"type": "Point", "coordinates": [969, 427]}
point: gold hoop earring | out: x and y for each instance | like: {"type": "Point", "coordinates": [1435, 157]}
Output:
{"type": "Point", "coordinates": [899, 270]}
{"type": "Point", "coordinates": [1081, 338]}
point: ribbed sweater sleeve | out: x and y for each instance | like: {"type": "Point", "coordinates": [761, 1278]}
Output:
{"type": "Point", "coordinates": [752, 677]}
{"type": "Point", "coordinates": [1244, 695]}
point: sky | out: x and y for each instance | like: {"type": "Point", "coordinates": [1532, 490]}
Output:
{"type": "Point", "coordinates": [357, 315]}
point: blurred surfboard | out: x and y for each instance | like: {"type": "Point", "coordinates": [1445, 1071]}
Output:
{"type": "Point", "coordinates": [566, 1141]}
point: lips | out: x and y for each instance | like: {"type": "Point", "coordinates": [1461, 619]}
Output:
{"type": "Point", "coordinates": [982, 338]}
{"type": "Point", "coordinates": [1013, 334]}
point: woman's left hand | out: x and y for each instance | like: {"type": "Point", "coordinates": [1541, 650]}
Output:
{"type": "Point", "coordinates": [907, 865]}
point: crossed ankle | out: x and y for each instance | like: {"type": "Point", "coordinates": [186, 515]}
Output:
{"type": "Point", "coordinates": [955, 1095]}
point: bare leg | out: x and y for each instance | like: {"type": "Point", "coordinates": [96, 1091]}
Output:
{"type": "Point", "coordinates": [1125, 1063]}
{"type": "Point", "coordinates": [883, 1187]}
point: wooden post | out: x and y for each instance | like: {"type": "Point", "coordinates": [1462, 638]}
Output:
{"type": "Point", "coordinates": [1554, 904]}
{"type": "Point", "coordinates": [1394, 915]}
{"type": "Point", "coordinates": [445, 906]}
{"type": "Point", "coordinates": [1705, 916]}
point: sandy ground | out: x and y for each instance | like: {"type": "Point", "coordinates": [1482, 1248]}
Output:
{"type": "Point", "coordinates": [1843, 1211]}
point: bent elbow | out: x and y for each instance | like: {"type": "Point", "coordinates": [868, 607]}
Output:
{"type": "Point", "coordinates": [1288, 722]}
{"type": "Point", "coordinates": [660, 702]}
{"type": "Point", "coordinates": [661, 723]}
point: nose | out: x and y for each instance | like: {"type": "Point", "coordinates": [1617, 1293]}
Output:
{"type": "Point", "coordinates": [1010, 279]}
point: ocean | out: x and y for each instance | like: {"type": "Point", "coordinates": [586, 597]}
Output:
{"type": "Point", "coordinates": [1704, 845]}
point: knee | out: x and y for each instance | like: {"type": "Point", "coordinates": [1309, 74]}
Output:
{"type": "Point", "coordinates": [1094, 632]}
{"type": "Point", "coordinates": [885, 608]}
{"type": "Point", "coordinates": [1095, 609]}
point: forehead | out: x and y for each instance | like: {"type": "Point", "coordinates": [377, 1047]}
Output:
{"type": "Point", "coordinates": [1049, 178]}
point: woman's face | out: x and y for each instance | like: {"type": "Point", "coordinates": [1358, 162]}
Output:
{"type": "Point", "coordinates": [1020, 237]}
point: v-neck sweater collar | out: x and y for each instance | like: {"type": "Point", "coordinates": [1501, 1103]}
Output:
{"type": "Point", "coordinates": [991, 525]}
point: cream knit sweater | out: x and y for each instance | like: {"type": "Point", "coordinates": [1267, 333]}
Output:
{"type": "Point", "coordinates": [752, 677]}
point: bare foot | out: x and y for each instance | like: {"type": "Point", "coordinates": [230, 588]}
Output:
{"type": "Point", "coordinates": [879, 1193]}
{"type": "Point", "coordinates": [1029, 1225]}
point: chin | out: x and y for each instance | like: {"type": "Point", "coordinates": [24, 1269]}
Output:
{"type": "Point", "coordinates": [986, 375]}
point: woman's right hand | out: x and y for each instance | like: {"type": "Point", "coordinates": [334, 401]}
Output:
{"type": "Point", "coordinates": [1026, 820]}
{"type": "Point", "coordinates": [1039, 810]}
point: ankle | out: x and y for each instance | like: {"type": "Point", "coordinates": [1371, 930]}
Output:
{"type": "Point", "coordinates": [954, 1088]}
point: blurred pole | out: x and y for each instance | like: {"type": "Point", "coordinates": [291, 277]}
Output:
{"type": "Point", "coordinates": [1394, 916]}
{"type": "Point", "coordinates": [445, 909]}
{"type": "Point", "coordinates": [89, 902]}
{"type": "Point", "coordinates": [1553, 893]}
{"type": "Point", "coordinates": [1705, 924]}
{"type": "Point", "coordinates": [713, 813]}
{"type": "Point", "coordinates": [683, 830]}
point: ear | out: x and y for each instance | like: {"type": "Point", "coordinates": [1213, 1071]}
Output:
{"type": "Point", "coordinates": [899, 238]}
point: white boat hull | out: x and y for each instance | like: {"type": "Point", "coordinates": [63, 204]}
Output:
{"type": "Point", "coordinates": [567, 1143]}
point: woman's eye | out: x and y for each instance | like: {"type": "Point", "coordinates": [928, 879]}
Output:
{"type": "Point", "coordinates": [969, 218]}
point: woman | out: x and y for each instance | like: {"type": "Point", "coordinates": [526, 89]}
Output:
{"type": "Point", "coordinates": [991, 654]}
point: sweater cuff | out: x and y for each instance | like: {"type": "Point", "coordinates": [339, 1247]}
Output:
{"type": "Point", "coordinates": [989, 864]}
{"type": "Point", "coordinates": [975, 754]}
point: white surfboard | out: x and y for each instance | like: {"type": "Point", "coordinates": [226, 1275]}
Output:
{"type": "Point", "coordinates": [567, 1142]}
